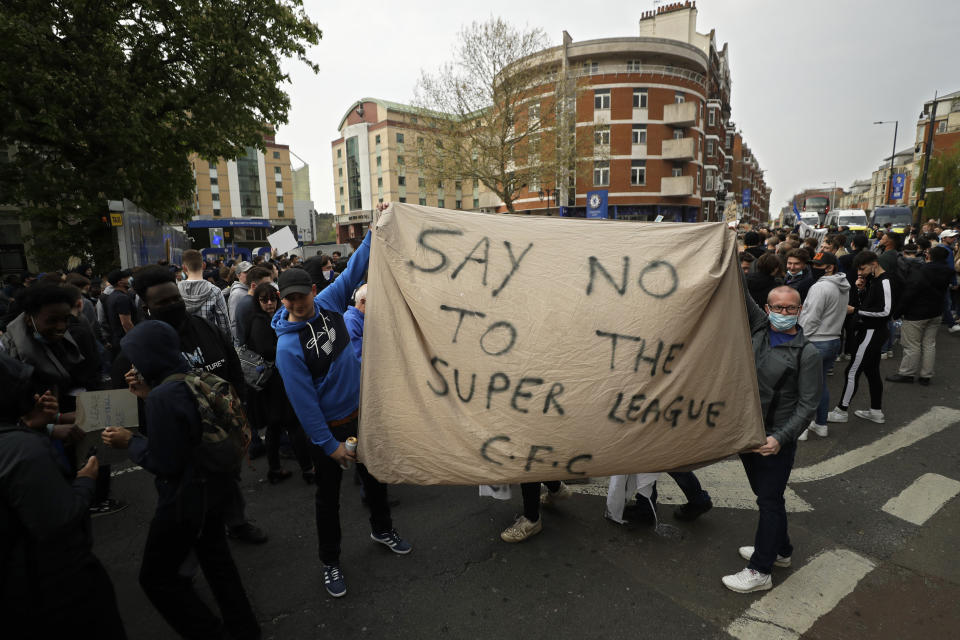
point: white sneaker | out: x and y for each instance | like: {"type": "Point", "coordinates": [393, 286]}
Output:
{"type": "Point", "coordinates": [954, 329]}
{"type": "Point", "coordinates": [837, 415]}
{"type": "Point", "coordinates": [550, 497]}
{"type": "Point", "coordinates": [521, 530]}
{"type": "Point", "coordinates": [782, 561]}
{"type": "Point", "coordinates": [748, 580]}
{"type": "Point", "coordinates": [886, 355]}
{"type": "Point", "coordinates": [803, 436]}
{"type": "Point", "coordinates": [873, 415]}
{"type": "Point", "coordinates": [819, 429]}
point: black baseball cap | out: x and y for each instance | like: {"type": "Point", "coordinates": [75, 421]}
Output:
{"type": "Point", "coordinates": [295, 281]}
{"type": "Point", "coordinates": [822, 259]}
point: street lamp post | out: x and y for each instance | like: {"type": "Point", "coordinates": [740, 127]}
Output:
{"type": "Point", "coordinates": [893, 154]}
{"type": "Point", "coordinates": [833, 192]}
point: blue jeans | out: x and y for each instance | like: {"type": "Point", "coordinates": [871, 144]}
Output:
{"type": "Point", "coordinates": [948, 310]}
{"type": "Point", "coordinates": [828, 355]}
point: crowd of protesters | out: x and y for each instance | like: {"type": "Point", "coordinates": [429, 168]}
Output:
{"type": "Point", "coordinates": [286, 337]}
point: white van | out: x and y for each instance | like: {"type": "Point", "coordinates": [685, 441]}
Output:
{"type": "Point", "coordinates": [856, 219]}
{"type": "Point", "coordinates": [810, 218]}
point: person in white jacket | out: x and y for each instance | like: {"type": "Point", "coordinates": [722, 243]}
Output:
{"type": "Point", "coordinates": [822, 317]}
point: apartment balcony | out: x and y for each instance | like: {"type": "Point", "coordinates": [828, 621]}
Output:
{"type": "Point", "coordinates": [683, 114]}
{"type": "Point", "coordinates": [677, 149]}
{"type": "Point", "coordinates": [679, 186]}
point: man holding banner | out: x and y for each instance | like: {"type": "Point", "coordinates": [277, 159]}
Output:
{"type": "Point", "coordinates": [788, 376]}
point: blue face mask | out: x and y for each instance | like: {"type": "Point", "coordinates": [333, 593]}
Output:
{"type": "Point", "coordinates": [782, 322]}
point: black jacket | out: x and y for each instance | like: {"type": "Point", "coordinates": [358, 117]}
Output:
{"type": "Point", "coordinates": [923, 293]}
{"type": "Point", "coordinates": [270, 405]}
{"type": "Point", "coordinates": [759, 285]}
{"type": "Point", "coordinates": [44, 523]}
{"type": "Point", "coordinates": [875, 303]}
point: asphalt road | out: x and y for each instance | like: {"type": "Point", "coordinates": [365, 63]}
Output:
{"type": "Point", "coordinates": [868, 561]}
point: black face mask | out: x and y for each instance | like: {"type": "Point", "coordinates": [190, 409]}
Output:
{"type": "Point", "coordinates": [174, 315]}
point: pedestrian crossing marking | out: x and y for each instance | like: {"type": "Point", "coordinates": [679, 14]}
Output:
{"type": "Point", "coordinates": [791, 608]}
{"type": "Point", "coordinates": [923, 498]}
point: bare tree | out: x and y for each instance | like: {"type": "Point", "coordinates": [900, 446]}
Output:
{"type": "Point", "coordinates": [501, 114]}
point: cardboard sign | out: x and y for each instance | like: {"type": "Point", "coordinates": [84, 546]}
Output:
{"type": "Point", "coordinates": [99, 409]}
{"type": "Point", "coordinates": [496, 350]}
{"type": "Point", "coordinates": [283, 241]}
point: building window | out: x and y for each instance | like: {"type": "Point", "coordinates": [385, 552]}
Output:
{"type": "Point", "coordinates": [601, 99]}
{"type": "Point", "coordinates": [679, 98]}
{"type": "Point", "coordinates": [215, 196]}
{"type": "Point", "coordinates": [402, 181]}
{"type": "Point", "coordinates": [727, 165]}
{"type": "Point", "coordinates": [399, 138]}
{"type": "Point", "coordinates": [380, 182]}
{"type": "Point", "coordinates": [280, 213]}
{"type": "Point", "coordinates": [476, 203]}
{"type": "Point", "coordinates": [633, 65]}
{"type": "Point", "coordinates": [709, 148]}
{"type": "Point", "coordinates": [942, 126]}
{"type": "Point", "coordinates": [678, 134]}
{"type": "Point", "coordinates": [677, 172]}
{"type": "Point", "coordinates": [639, 98]}
{"type": "Point", "coordinates": [533, 113]}
{"type": "Point", "coordinates": [341, 190]}
{"type": "Point", "coordinates": [213, 180]}
{"type": "Point", "coordinates": [339, 153]}
{"type": "Point", "coordinates": [378, 164]}
{"type": "Point", "coordinates": [711, 117]}
{"type": "Point", "coordinates": [440, 203]}
{"type": "Point", "coordinates": [458, 204]}
{"type": "Point", "coordinates": [401, 161]}
{"type": "Point", "coordinates": [709, 181]}
{"type": "Point", "coordinates": [423, 202]}
{"type": "Point", "coordinates": [639, 134]}
{"type": "Point", "coordinates": [377, 139]}
{"type": "Point", "coordinates": [638, 172]}
{"type": "Point", "coordinates": [341, 208]}
{"type": "Point", "coordinates": [458, 185]}
{"type": "Point", "coordinates": [588, 67]}
{"type": "Point", "coordinates": [340, 169]}
{"type": "Point", "coordinates": [601, 173]}
{"type": "Point", "coordinates": [276, 155]}
{"type": "Point", "coordinates": [421, 183]}
{"type": "Point", "coordinates": [729, 141]}
{"type": "Point", "coordinates": [216, 212]}
{"type": "Point", "coordinates": [413, 119]}
{"type": "Point", "coordinates": [402, 199]}
{"type": "Point", "coordinates": [602, 135]}
{"type": "Point", "coordinates": [353, 174]}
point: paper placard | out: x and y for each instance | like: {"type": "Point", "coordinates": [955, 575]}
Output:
{"type": "Point", "coordinates": [99, 409]}
{"type": "Point", "coordinates": [282, 241]}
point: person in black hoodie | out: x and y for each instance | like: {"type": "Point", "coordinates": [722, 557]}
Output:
{"type": "Point", "coordinates": [873, 304]}
{"type": "Point", "coordinates": [767, 275]}
{"type": "Point", "coordinates": [51, 584]}
{"type": "Point", "coordinates": [920, 307]}
{"type": "Point", "coordinates": [269, 406]}
{"type": "Point", "coordinates": [205, 348]}
{"type": "Point", "coordinates": [190, 502]}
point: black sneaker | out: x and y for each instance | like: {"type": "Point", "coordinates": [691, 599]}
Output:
{"type": "Point", "coordinates": [691, 511]}
{"type": "Point", "coordinates": [900, 378]}
{"type": "Point", "coordinates": [924, 381]}
{"type": "Point", "coordinates": [247, 532]}
{"type": "Point", "coordinates": [392, 540]}
{"type": "Point", "coordinates": [333, 580]}
{"type": "Point", "coordinates": [107, 507]}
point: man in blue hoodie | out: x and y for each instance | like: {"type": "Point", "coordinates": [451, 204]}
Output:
{"type": "Point", "coordinates": [321, 373]}
{"type": "Point", "coordinates": [191, 502]}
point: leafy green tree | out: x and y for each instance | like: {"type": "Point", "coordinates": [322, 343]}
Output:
{"type": "Point", "coordinates": [944, 172]}
{"type": "Point", "coordinates": [105, 100]}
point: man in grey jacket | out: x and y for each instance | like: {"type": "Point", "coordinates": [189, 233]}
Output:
{"type": "Point", "coordinates": [822, 318]}
{"type": "Point", "coordinates": [202, 298]}
{"type": "Point", "coordinates": [788, 378]}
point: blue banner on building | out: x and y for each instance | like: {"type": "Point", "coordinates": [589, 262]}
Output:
{"type": "Point", "coordinates": [746, 197]}
{"type": "Point", "coordinates": [899, 179]}
{"type": "Point", "coordinates": [597, 204]}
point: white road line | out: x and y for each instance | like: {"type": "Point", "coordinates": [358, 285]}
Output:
{"type": "Point", "coordinates": [923, 498]}
{"type": "Point", "coordinates": [791, 608]}
{"type": "Point", "coordinates": [933, 421]}
{"type": "Point", "coordinates": [725, 481]}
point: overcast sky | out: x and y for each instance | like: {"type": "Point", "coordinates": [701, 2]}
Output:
{"type": "Point", "coordinates": [809, 77]}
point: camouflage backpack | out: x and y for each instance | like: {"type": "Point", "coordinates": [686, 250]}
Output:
{"type": "Point", "coordinates": [224, 431]}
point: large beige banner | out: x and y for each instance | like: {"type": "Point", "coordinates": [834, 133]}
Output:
{"type": "Point", "coordinates": [510, 349]}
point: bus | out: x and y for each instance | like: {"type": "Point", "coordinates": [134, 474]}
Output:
{"type": "Point", "coordinates": [818, 204]}
{"type": "Point", "coordinates": [898, 217]}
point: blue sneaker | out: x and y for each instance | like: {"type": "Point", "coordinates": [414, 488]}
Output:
{"type": "Point", "coordinates": [333, 580]}
{"type": "Point", "coordinates": [392, 540]}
